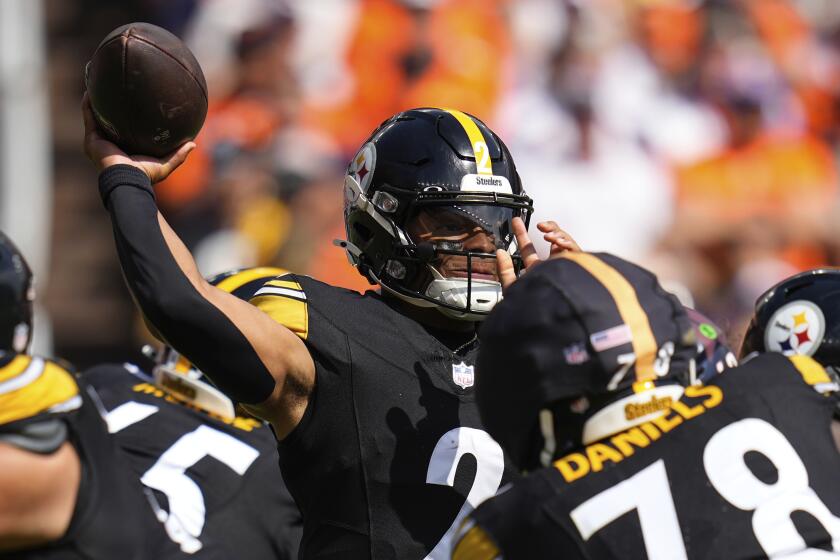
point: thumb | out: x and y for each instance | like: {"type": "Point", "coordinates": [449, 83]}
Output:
{"type": "Point", "coordinates": [177, 158]}
{"type": "Point", "coordinates": [504, 264]}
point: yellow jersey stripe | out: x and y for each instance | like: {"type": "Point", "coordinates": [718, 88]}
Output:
{"type": "Point", "coordinates": [479, 145]}
{"type": "Point", "coordinates": [236, 281]}
{"type": "Point", "coordinates": [55, 389]}
{"type": "Point", "coordinates": [631, 311]}
{"type": "Point", "coordinates": [812, 372]}
{"type": "Point", "coordinates": [289, 284]}
{"type": "Point", "coordinates": [289, 312]}
{"type": "Point", "coordinates": [476, 544]}
{"type": "Point", "coordinates": [14, 368]}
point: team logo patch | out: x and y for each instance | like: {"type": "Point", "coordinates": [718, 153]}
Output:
{"type": "Point", "coordinates": [795, 328]}
{"type": "Point", "coordinates": [362, 166]}
{"type": "Point", "coordinates": [463, 375]}
{"type": "Point", "coordinates": [576, 354]}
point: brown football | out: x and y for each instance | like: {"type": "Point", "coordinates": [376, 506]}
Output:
{"type": "Point", "coordinates": [146, 89]}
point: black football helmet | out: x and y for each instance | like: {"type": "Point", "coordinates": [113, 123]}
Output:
{"type": "Point", "coordinates": [714, 354]}
{"type": "Point", "coordinates": [16, 296]}
{"type": "Point", "coordinates": [180, 377]}
{"type": "Point", "coordinates": [800, 315]}
{"type": "Point", "coordinates": [441, 166]}
{"type": "Point", "coordinates": [582, 347]}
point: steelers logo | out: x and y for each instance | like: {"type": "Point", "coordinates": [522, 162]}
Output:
{"type": "Point", "coordinates": [362, 166]}
{"type": "Point", "coordinates": [795, 328]}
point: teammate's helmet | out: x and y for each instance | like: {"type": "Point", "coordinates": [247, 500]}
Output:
{"type": "Point", "coordinates": [582, 347]}
{"type": "Point", "coordinates": [177, 375]}
{"type": "Point", "coordinates": [713, 352]}
{"type": "Point", "coordinates": [800, 315]}
{"type": "Point", "coordinates": [428, 199]}
{"type": "Point", "coordinates": [16, 295]}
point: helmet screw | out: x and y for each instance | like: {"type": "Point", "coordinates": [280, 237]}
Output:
{"type": "Point", "coordinates": [395, 269]}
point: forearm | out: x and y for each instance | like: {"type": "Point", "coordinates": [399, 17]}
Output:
{"type": "Point", "coordinates": [167, 286]}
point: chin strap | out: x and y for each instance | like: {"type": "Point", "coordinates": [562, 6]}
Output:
{"type": "Point", "coordinates": [195, 392]}
{"type": "Point", "coordinates": [630, 411]}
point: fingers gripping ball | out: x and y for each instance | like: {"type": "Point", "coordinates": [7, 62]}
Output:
{"type": "Point", "coordinates": [147, 91]}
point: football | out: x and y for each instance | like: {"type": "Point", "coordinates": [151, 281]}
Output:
{"type": "Point", "coordinates": [147, 90]}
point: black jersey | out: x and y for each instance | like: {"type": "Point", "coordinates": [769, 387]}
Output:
{"type": "Point", "coordinates": [389, 455]}
{"type": "Point", "coordinates": [744, 467]}
{"type": "Point", "coordinates": [112, 518]}
{"type": "Point", "coordinates": [218, 490]}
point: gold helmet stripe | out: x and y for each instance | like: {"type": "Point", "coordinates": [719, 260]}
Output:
{"type": "Point", "coordinates": [481, 151]}
{"type": "Point", "coordinates": [631, 311]}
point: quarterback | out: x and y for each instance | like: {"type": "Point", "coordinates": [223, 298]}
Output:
{"type": "Point", "coordinates": [371, 396]}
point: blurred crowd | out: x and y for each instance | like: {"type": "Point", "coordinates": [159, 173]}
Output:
{"type": "Point", "coordinates": [698, 138]}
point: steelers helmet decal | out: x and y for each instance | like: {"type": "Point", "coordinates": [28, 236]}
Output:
{"type": "Point", "coordinates": [795, 328]}
{"type": "Point", "coordinates": [362, 165]}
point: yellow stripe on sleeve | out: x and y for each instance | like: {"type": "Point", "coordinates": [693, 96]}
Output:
{"type": "Point", "coordinates": [280, 283]}
{"type": "Point", "coordinates": [476, 544]}
{"type": "Point", "coordinates": [53, 388]}
{"type": "Point", "coordinates": [631, 311]}
{"type": "Point", "coordinates": [236, 281]}
{"type": "Point", "coordinates": [812, 372]}
{"type": "Point", "coordinates": [289, 312]}
{"type": "Point", "coordinates": [481, 151]}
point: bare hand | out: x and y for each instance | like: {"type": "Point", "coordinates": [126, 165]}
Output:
{"type": "Point", "coordinates": [560, 243]}
{"type": "Point", "coordinates": [104, 154]}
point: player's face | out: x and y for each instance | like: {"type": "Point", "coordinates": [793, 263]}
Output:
{"type": "Point", "coordinates": [454, 230]}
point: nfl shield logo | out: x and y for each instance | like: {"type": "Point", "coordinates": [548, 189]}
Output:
{"type": "Point", "coordinates": [463, 375]}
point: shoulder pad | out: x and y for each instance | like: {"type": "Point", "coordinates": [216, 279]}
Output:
{"type": "Point", "coordinates": [284, 300]}
{"type": "Point", "coordinates": [473, 543]}
{"type": "Point", "coordinates": [31, 386]}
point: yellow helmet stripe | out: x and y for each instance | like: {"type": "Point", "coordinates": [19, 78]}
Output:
{"type": "Point", "coordinates": [236, 281]}
{"type": "Point", "coordinates": [631, 311]}
{"type": "Point", "coordinates": [479, 145]}
{"type": "Point", "coordinates": [812, 372]}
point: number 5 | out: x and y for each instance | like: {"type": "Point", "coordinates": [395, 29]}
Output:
{"type": "Point", "coordinates": [185, 519]}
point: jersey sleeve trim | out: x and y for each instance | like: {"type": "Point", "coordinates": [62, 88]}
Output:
{"type": "Point", "coordinates": [284, 300]}
{"type": "Point", "coordinates": [475, 544]}
{"type": "Point", "coordinates": [814, 374]}
{"type": "Point", "coordinates": [33, 386]}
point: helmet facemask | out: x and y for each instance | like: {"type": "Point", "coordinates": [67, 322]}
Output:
{"type": "Point", "coordinates": [187, 383]}
{"type": "Point", "coordinates": [442, 250]}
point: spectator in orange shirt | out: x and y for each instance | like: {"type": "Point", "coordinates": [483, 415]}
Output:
{"type": "Point", "coordinates": [411, 53]}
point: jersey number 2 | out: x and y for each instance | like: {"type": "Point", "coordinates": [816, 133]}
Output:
{"type": "Point", "coordinates": [490, 461]}
{"type": "Point", "coordinates": [185, 519]}
{"type": "Point", "coordinates": [649, 493]}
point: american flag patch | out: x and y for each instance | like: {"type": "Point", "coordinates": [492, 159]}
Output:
{"type": "Point", "coordinates": [610, 338]}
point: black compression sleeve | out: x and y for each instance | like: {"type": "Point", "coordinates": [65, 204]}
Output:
{"type": "Point", "coordinates": [188, 322]}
